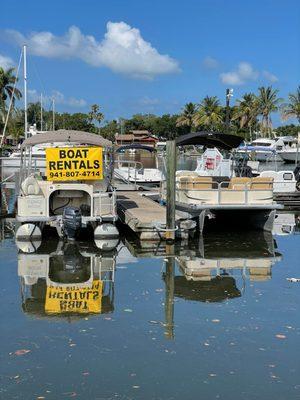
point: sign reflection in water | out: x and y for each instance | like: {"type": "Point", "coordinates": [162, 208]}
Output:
{"type": "Point", "coordinates": [78, 278]}
{"type": "Point", "coordinates": [67, 279]}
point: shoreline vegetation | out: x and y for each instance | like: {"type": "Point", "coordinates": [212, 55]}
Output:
{"type": "Point", "coordinates": [249, 115]}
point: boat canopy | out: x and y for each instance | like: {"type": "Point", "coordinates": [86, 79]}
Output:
{"type": "Point", "coordinates": [135, 146]}
{"type": "Point", "coordinates": [64, 135]}
{"type": "Point", "coordinates": [210, 139]}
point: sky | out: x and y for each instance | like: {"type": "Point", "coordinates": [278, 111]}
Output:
{"type": "Point", "coordinates": [142, 56]}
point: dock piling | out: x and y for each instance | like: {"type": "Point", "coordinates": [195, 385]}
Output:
{"type": "Point", "coordinates": [170, 198]}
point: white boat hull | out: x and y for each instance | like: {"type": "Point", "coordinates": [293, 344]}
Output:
{"type": "Point", "coordinates": [289, 156]}
{"type": "Point", "coordinates": [262, 156]}
{"type": "Point", "coordinates": [149, 175]}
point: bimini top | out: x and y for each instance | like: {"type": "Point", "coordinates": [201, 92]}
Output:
{"type": "Point", "coordinates": [210, 139]}
{"type": "Point", "coordinates": [136, 146]}
{"type": "Point", "coordinates": [64, 135]}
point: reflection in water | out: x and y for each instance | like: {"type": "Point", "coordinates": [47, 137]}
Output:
{"type": "Point", "coordinates": [285, 223]}
{"type": "Point", "coordinates": [211, 268]}
{"type": "Point", "coordinates": [67, 278]}
{"type": "Point", "coordinates": [251, 255]}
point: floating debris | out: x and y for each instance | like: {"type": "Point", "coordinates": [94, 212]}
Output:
{"type": "Point", "coordinates": [279, 336]}
{"type": "Point", "coordinates": [21, 352]}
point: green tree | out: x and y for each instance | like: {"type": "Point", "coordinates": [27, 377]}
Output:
{"type": "Point", "coordinates": [77, 121]}
{"type": "Point", "coordinates": [95, 115]}
{"type": "Point", "coordinates": [140, 122]}
{"type": "Point", "coordinates": [7, 82]}
{"type": "Point", "coordinates": [246, 112]}
{"type": "Point", "coordinates": [292, 108]}
{"type": "Point", "coordinates": [209, 114]}
{"type": "Point", "coordinates": [110, 129]}
{"type": "Point", "coordinates": [187, 116]}
{"type": "Point", "coordinates": [287, 130]}
{"type": "Point", "coordinates": [268, 102]}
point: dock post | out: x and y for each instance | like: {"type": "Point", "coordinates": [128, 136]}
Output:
{"type": "Point", "coordinates": [170, 288]}
{"type": "Point", "coordinates": [170, 198]}
{"type": "Point", "coordinates": [1, 177]}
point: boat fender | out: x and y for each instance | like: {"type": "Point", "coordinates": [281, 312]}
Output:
{"type": "Point", "coordinates": [30, 186]}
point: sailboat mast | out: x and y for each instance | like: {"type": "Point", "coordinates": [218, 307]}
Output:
{"type": "Point", "coordinates": [25, 89]}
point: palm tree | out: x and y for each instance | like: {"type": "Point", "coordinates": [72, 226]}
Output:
{"type": "Point", "coordinates": [268, 102]}
{"type": "Point", "coordinates": [246, 112]}
{"type": "Point", "coordinates": [187, 116]}
{"type": "Point", "coordinates": [209, 114]}
{"type": "Point", "coordinates": [96, 115]}
{"type": "Point", "coordinates": [7, 82]}
{"type": "Point", "coordinates": [292, 108]}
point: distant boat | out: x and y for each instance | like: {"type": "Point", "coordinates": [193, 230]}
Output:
{"type": "Point", "coordinates": [262, 149]}
{"type": "Point", "coordinates": [290, 151]}
{"type": "Point", "coordinates": [131, 171]}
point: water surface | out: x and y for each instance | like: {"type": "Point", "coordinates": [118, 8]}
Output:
{"type": "Point", "coordinates": [212, 319]}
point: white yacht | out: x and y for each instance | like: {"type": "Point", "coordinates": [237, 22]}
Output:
{"type": "Point", "coordinates": [73, 193]}
{"type": "Point", "coordinates": [262, 149]}
{"type": "Point", "coordinates": [290, 150]}
{"type": "Point", "coordinates": [132, 171]}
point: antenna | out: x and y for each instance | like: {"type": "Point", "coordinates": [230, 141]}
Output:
{"type": "Point", "coordinates": [53, 114]}
{"type": "Point", "coordinates": [41, 111]}
{"type": "Point", "coordinates": [25, 89]}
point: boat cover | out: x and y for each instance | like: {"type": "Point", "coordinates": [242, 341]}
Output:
{"type": "Point", "coordinates": [64, 135]}
{"type": "Point", "coordinates": [210, 139]}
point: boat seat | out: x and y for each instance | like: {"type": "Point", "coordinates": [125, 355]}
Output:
{"type": "Point", "coordinates": [262, 183]}
{"type": "Point", "coordinates": [195, 182]}
{"type": "Point", "coordinates": [186, 173]}
{"type": "Point", "coordinates": [238, 183]}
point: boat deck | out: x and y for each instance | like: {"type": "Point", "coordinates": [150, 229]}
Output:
{"type": "Point", "coordinates": [147, 218]}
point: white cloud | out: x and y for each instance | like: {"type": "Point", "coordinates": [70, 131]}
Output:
{"type": "Point", "coordinates": [59, 98]}
{"type": "Point", "coordinates": [269, 76]}
{"type": "Point", "coordinates": [148, 101]}
{"type": "Point", "coordinates": [210, 63]}
{"type": "Point", "coordinates": [244, 73]}
{"type": "Point", "coordinates": [6, 62]}
{"type": "Point", "coordinates": [123, 50]}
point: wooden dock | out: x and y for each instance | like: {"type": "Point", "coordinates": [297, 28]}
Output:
{"type": "Point", "coordinates": [147, 218]}
{"type": "Point", "coordinates": [291, 201]}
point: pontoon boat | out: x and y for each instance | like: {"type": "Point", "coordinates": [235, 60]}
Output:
{"type": "Point", "coordinates": [239, 200]}
{"type": "Point", "coordinates": [73, 193]}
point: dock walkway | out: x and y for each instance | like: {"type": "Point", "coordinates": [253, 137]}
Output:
{"type": "Point", "coordinates": [147, 218]}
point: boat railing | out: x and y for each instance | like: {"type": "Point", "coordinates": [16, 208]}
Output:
{"type": "Point", "coordinates": [132, 170]}
{"type": "Point", "coordinates": [235, 191]}
{"type": "Point", "coordinates": [105, 203]}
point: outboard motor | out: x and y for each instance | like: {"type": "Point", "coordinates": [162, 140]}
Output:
{"type": "Point", "coordinates": [71, 221]}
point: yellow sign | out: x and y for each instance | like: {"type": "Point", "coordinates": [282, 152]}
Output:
{"type": "Point", "coordinates": [71, 299]}
{"type": "Point", "coordinates": [74, 163]}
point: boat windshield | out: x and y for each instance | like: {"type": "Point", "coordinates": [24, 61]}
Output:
{"type": "Point", "coordinates": [264, 144]}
